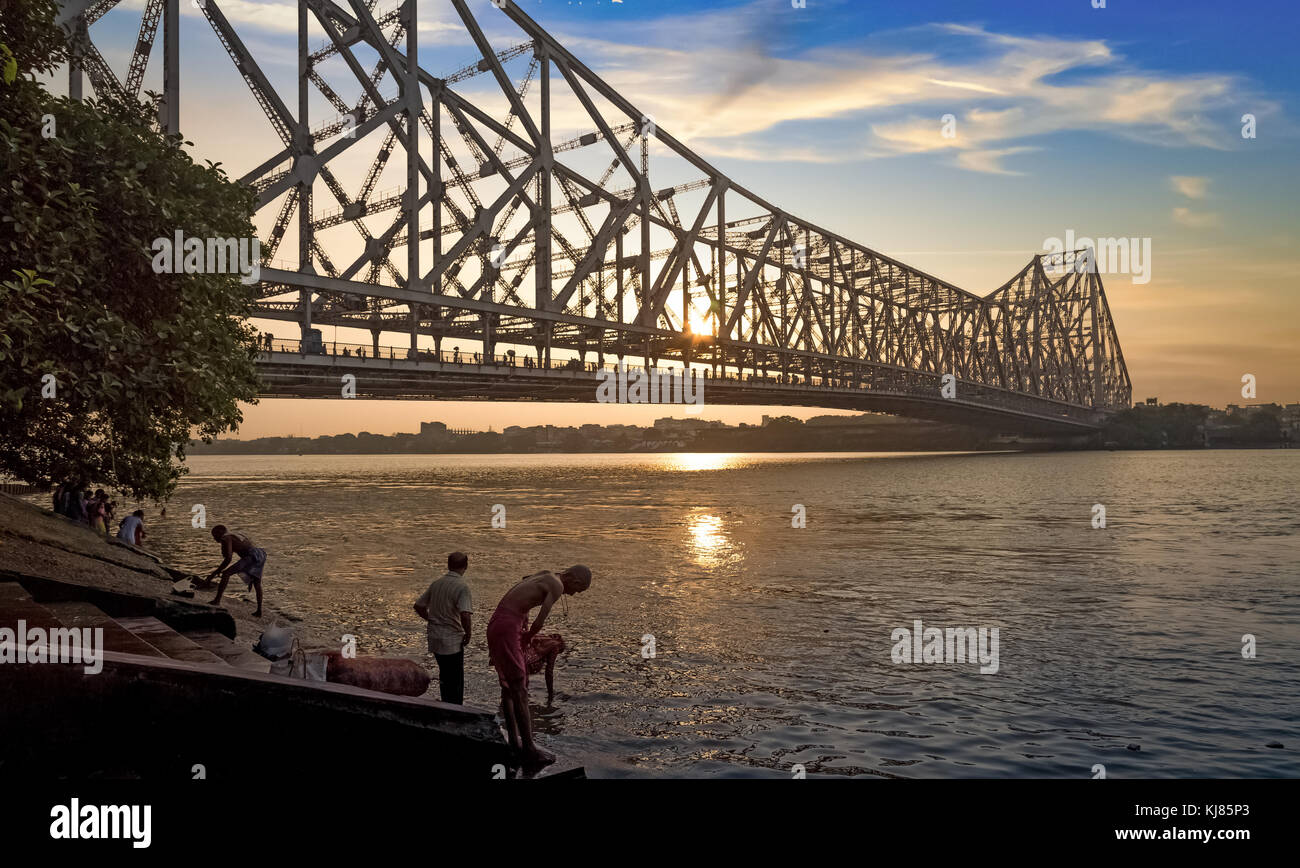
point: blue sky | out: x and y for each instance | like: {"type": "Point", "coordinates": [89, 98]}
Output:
{"type": "Point", "coordinates": [1123, 121]}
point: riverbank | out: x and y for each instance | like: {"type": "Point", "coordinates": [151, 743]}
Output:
{"type": "Point", "coordinates": [154, 685]}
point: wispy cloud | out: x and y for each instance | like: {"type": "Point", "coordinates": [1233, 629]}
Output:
{"type": "Point", "coordinates": [1195, 219]}
{"type": "Point", "coordinates": [990, 161]}
{"type": "Point", "coordinates": [758, 95]}
{"type": "Point", "coordinates": [1005, 91]}
{"type": "Point", "coordinates": [1190, 186]}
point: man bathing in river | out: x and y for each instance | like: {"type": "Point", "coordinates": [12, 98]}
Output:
{"type": "Point", "coordinates": [508, 634]}
{"type": "Point", "coordinates": [251, 561]}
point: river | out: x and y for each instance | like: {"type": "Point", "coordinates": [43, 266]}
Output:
{"type": "Point", "coordinates": [1118, 646]}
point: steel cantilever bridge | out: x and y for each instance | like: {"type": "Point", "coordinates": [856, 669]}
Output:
{"type": "Point", "coordinates": [503, 224]}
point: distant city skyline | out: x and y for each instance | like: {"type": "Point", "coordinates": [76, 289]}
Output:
{"type": "Point", "coordinates": [314, 417]}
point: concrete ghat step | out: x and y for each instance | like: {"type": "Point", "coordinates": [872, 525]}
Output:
{"type": "Point", "coordinates": [46, 708]}
{"type": "Point", "coordinates": [116, 637]}
{"type": "Point", "coordinates": [168, 641]}
{"type": "Point", "coordinates": [561, 770]}
{"type": "Point", "coordinates": [229, 651]}
{"type": "Point", "coordinates": [17, 605]}
{"type": "Point", "coordinates": [180, 615]}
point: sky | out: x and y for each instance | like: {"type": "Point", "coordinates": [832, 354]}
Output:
{"type": "Point", "coordinates": [1125, 121]}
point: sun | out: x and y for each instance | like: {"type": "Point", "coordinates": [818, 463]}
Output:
{"type": "Point", "coordinates": [701, 322]}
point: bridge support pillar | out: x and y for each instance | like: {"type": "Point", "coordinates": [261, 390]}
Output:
{"type": "Point", "coordinates": [489, 336]}
{"type": "Point", "coordinates": [78, 29]}
{"type": "Point", "coordinates": [170, 113]}
{"type": "Point", "coordinates": [301, 143]}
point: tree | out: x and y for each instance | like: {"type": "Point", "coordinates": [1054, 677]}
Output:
{"type": "Point", "coordinates": [108, 369]}
{"type": "Point", "coordinates": [1173, 426]}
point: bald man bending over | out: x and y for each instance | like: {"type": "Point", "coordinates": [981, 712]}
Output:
{"type": "Point", "coordinates": [508, 634]}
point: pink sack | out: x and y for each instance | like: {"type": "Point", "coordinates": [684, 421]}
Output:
{"type": "Point", "coordinates": [385, 674]}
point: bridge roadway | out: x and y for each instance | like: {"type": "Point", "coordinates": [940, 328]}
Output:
{"type": "Point", "coordinates": [288, 372]}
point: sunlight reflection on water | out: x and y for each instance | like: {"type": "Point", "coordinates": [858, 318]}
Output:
{"type": "Point", "coordinates": [708, 542]}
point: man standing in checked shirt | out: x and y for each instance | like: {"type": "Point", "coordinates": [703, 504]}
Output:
{"type": "Point", "coordinates": [448, 608]}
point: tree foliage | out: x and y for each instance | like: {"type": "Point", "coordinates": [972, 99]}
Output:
{"type": "Point", "coordinates": [1185, 426]}
{"type": "Point", "coordinates": [1175, 426]}
{"type": "Point", "coordinates": [142, 362]}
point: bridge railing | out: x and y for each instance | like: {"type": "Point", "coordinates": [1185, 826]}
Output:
{"type": "Point", "coordinates": [362, 352]}
{"type": "Point", "coordinates": [885, 381]}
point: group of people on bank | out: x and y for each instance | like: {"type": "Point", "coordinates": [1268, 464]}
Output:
{"type": "Point", "coordinates": [95, 511]}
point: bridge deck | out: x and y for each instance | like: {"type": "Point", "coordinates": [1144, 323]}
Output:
{"type": "Point", "coordinates": [290, 373]}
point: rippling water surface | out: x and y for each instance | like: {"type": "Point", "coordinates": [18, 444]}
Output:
{"type": "Point", "coordinates": [773, 642]}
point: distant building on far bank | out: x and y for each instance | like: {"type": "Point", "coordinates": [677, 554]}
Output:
{"type": "Point", "coordinates": [671, 425]}
{"type": "Point", "coordinates": [1290, 418]}
{"type": "Point", "coordinates": [1217, 427]}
